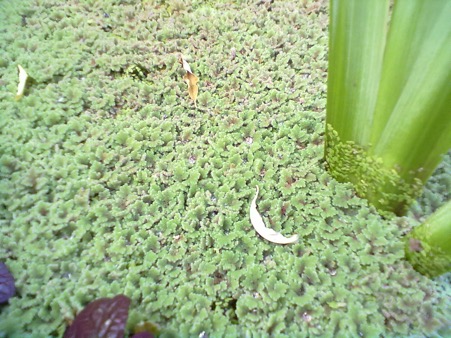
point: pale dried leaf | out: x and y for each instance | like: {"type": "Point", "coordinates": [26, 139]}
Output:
{"type": "Point", "coordinates": [190, 79]}
{"type": "Point", "coordinates": [267, 233]}
{"type": "Point", "coordinates": [22, 81]}
{"type": "Point", "coordinates": [193, 89]}
{"type": "Point", "coordinates": [185, 65]}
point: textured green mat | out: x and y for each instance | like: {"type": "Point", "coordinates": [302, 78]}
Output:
{"type": "Point", "coordinates": [113, 182]}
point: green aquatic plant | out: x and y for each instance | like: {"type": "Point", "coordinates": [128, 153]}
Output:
{"type": "Point", "coordinates": [111, 183]}
{"type": "Point", "coordinates": [428, 246]}
{"type": "Point", "coordinates": [388, 119]}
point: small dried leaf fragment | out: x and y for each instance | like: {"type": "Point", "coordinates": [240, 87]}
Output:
{"type": "Point", "coordinates": [22, 81]}
{"type": "Point", "coordinates": [185, 65]}
{"type": "Point", "coordinates": [415, 245]}
{"type": "Point", "coordinates": [190, 79]}
{"type": "Point", "coordinates": [267, 233]}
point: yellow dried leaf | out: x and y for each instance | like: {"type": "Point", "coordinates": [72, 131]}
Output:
{"type": "Point", "coordinates": [267, 233]}
{"type": "Point", "coordinates": [22, 81]}
{"type": "Point", "coordinates": [190, 79]}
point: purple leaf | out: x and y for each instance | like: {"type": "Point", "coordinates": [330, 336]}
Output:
{"type": "Point", "coordinates": [7, 286]}
{"type": "Point", "coordinates": [102, 318]}
{"type": "Point", "coordinates": [143, 335]}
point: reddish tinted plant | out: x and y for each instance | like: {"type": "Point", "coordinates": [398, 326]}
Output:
{"type": "Point", "coordinates": [104, 317]}
{"type": "Point", "coordinates": [7, 285]}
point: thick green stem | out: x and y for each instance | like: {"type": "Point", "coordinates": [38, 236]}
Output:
{"type": "Point", "coordinates": [412, 118]}
{"type": "Point", "coordinates": [428, 246]}
{"type": "Point", "coordinates": [383, 187]}
{"type": "Point", "coordinates": [356, 45]}
{"type": "Point", "coordinates": [388, 118]}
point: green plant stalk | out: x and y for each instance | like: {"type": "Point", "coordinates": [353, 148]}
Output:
{"type": "Point", "coordinates": [428, 246]}
{"type": "Point", "coordinates": [412, 118]}
{"type": "Point", "coordinates": [357, 37]}
{"type": "Point", "coordinates": [390, 145]}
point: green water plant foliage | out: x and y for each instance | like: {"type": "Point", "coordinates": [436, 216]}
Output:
{"type": "Point", "coordinates": [112, 182]}
{"type": "Point", "coordinates": [428, 246]}
{"type": "Point", "coordinates": [389, 87]}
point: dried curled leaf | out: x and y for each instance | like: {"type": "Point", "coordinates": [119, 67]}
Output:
{"type": "Point", "coordinates": [22, 81]}
{"type": "Point", "coordinates": [185, 65]}
{"type": "Point", "coordinates": [266, 233]}
{"type": "Point", "coordinates": [190, 79]}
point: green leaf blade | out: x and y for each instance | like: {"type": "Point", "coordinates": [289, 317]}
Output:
{"type": "Point", "coordinates": [356, 45]}
{"type": "Point", "coordinates": [412, 119]}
